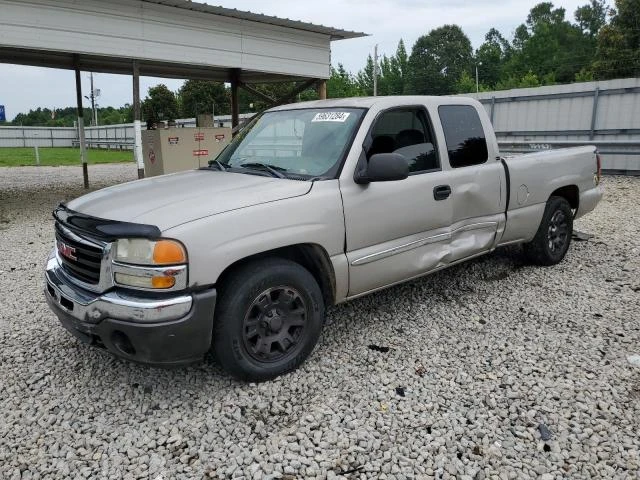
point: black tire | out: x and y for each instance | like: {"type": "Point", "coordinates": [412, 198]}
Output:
{"type": "Point", "coordinates": [553, 237]}
{"type": "Point", "coordinates": [268, 319]}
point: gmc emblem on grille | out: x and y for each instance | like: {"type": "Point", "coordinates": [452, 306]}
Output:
{"type": "Point", "coordinates": [67, 251]}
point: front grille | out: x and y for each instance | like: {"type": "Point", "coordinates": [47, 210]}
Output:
{"type": "Point", "coordinates": [78, 258]}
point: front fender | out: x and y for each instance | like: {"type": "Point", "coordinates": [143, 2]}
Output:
{"type": "Point", "coordinates": [217, 242]}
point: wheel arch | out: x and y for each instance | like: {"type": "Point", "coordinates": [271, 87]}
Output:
{"type": "Point", "coordinates": [311, 256]}
{"type": "Point", "coordinates": [571, 193]}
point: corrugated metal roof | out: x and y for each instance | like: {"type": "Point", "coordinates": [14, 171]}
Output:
{"type": "Point", "coordinates": [334, 33]}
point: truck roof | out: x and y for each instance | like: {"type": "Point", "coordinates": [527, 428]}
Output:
{"type": "Point", "coordinates": [381, 102]}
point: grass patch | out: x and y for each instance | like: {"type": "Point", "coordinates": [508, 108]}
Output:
{"type": "Point", "coordinates": [53, 157]}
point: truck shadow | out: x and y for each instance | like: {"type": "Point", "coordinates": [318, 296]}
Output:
{"type": "Point", "coordinates": [445, 285]}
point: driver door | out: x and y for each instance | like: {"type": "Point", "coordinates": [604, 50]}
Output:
{"type": "Point", "coordinates": [400, 229]}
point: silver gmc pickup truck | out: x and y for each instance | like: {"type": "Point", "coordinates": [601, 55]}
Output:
{"type": "Point", "coordinates": [310, 205]}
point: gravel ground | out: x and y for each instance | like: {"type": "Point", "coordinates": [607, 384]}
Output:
{"type": "Point", "coordinates": [494, 369]}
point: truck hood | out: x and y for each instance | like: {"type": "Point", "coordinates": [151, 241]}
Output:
{"type": "Point", "coordinates": [171, 200]}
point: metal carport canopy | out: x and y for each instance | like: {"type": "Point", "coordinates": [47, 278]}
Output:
{"type": "Point", "coordinates": [163, 38]}
{"type": "Point", "coordinates": [169, 38]}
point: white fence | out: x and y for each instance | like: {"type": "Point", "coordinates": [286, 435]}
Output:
{"type": "Point", "coordinates": [108, 136]}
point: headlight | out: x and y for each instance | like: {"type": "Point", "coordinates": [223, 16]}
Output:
{"type": "Point", "coordinates": [150, 264]}
{"type": "Point", "coordinates": [139, 251]}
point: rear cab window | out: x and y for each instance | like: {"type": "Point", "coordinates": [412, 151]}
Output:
{"type": "Point", "coordinates": [465, 137]}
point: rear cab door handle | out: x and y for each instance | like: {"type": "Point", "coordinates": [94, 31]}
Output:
{"type": "Point", "coordinates": [441, 192]}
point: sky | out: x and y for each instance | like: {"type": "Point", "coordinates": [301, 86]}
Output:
{"type": "Point", "coordinates": [386, 21]}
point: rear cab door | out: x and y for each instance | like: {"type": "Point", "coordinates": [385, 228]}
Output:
{"type": "Point", "coordinates": [475, 175]}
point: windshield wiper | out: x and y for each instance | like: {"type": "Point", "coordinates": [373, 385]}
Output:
{"type": "Point", "coordinates": [218, 164]}
{"type": "Point", "coordinates": [272, 169]}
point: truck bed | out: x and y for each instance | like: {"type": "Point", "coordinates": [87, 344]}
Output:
{"type": "Point", "coordinates": [534, 177]}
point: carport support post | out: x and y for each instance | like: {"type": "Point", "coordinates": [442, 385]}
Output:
{"type": "Point", "coordinates": [235, 107]}
{"type": "Point", "coordinates": [81, 137]}
{"type": "Point", "coordinates": [322, 89]}
{"type": "Point", "coordinates": [137, 127]}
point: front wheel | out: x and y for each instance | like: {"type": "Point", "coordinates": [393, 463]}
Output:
{"type": "Point", "coordinates": [553, 237]}
{"type": "Point", "coordinates": [268, 319]}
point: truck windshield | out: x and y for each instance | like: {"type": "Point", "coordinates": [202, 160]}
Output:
{"type": "Point", "coordinates": [305, 142]}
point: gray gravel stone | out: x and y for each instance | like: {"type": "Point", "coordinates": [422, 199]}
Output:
{"type": "Point", "coordinates": [486, 352]}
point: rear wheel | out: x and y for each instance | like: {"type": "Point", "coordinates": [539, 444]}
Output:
{"type": "Point", "coordinates": [268, 319]}
{"type": "Point", "coordinates": [553, 237]}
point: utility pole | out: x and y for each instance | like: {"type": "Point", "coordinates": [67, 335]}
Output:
{"type": "Point", "coordinates": [93, 101]}
{"type": "Point", "coordinates": [94, 93]}
{"type": "Point", "coordinates": [375, 71]}
{"type": "Point", "coordinates": [477, 82]}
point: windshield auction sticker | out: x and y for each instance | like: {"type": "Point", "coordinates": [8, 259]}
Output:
{"type": "Point", "coordinates": [331, 117]}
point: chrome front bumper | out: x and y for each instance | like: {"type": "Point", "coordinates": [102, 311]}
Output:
{"type": "Point", "coordinates": [161, 329]}
{"type": "Point", "coordinates": [92, 307]}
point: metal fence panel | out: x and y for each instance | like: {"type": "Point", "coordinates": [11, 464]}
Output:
{"type": "Point", "coordinates": [603, 113]}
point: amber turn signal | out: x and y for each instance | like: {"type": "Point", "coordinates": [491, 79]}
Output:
{"type": "Point", "coordinates": [168, 252]}
{"type": "Point", "coordinates": [163, 282]}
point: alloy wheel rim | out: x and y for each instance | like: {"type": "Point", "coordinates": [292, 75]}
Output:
{"type": "Point", "coordinates": [274, 324]}
{"type": "Point", "coordinates": [558, 232]}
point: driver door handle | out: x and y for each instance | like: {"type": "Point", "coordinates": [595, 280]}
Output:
{"type": "Point", "coordinates": [441, 192]}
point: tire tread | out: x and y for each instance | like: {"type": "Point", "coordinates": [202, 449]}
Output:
{"type": "Point", "coordinates": [536, 250]}
{"type": "Point", "coordinates": [248, 276]}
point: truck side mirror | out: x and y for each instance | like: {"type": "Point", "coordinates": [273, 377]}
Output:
{"type": "Point", "coordinates": [383, 167]}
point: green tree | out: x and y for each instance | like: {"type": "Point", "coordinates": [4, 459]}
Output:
{"type": "Point", "coordinates": [393, 71]}
{"type": "Point", "coordinates": [45, 117]}
{"type": "Point", "coordinates": [364, 78]}
{"type": "Point", "coordinates": [550, 44]}
{"type": "Point", "coordinates": [160, 104]}
{"type": "Point", "coordinates": [592, 17]}
{"type": "Point", "coordinates": [113, 116]}
{"type": "Point", "coordinates": [618, 43]}
{"type": "Point", "coordinates": [384, 76]}
{"type": "Point", "coordinates": [491, 57]}
{"type": "Point", "coordinates": [437, 61]}
{"type": "Point", "coordinates": [341, 84]}
{"type": "Point", "coordinates": [466, 83]}
{"type": "Point", "coordinates": [200, 96]}
{"type": "Point", "coordinates": [528, 80]}
{"type": "Point", "coordinates": [584, 75]}
{"type": "Point", "coordinates": [67, 116]}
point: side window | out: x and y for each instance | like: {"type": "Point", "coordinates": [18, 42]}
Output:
{"type": "Point", "coordinates": [406, 131]}
{"type": "Point", "coordinates": [465, 137]}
